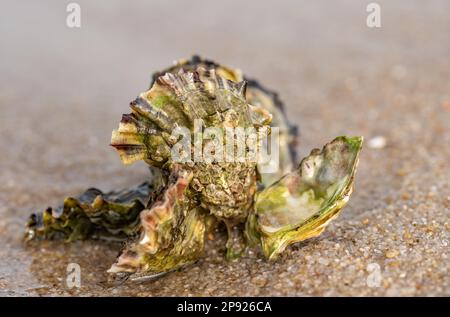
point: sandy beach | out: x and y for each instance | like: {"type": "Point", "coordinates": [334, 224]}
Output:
{"type": "Point", "coordinates": [63, 90]}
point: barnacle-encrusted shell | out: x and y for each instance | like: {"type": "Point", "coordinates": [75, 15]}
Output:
{"type": "Point", "coordinates": [176, 100]}
{"type": "Point", "coordinates": [257, 95]}
{"type": "Point", "coordinates": [223, 189]}
{"type": "Point", "coordinates": [301, 204]}
{"type": "Point", "coordinates": [166, 219]}
{"type": "Point", "coordinates": [172, 232]}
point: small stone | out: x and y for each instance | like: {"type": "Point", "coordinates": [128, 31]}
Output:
{"type": "Point", "coordinates": [407, 235]}
{"type": "Point", "coordinates": [402, 172]}
{"type": "Point", "coordinates": [391, 254]}
{"type": "Point", "coordinates": [377, 142]}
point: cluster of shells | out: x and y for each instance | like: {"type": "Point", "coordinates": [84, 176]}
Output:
{"type": "Point", "coordinates": [165, 220]}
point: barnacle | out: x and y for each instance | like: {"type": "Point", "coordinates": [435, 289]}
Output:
{"type": "Point", "coordinates": [192, 106]}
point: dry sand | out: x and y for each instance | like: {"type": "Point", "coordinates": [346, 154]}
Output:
{"type": "Point", "coordinates": [63, 90]}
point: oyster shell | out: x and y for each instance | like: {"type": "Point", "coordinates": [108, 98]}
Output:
{"type": "Point", "coordinates": [92, 215]}
{"type": "Point", "coordinates": [165, 220]}
{"type": "Point", "coordinates": [302, 203]}
{"type": "Point", "coordinates": [222, 189]}
{"type": "Point", "coordinates": [257, 95]}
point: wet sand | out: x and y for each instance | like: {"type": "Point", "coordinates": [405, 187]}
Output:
{"type": "Point", "coordinates": [62, 91]}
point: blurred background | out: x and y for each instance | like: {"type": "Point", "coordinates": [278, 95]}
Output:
{"type": "Point", "coordinates": [63, 90]}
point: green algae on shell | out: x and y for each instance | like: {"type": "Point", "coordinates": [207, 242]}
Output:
{"type": "Point", "coordinates": [302, 203]}
{"type": "Point", "coordinates": [223, 189]}
{"type": "Point", "coordinates": [93, 214]}
{"type": "Point", "coordinates": [165, 221]}
{"type": "Point", "coordinates": [256, 95]}
{"type": "Point", "coordinates": [172, 233]}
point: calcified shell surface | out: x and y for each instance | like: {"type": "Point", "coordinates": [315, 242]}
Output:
{"type": "Point", "coordinates": [164, 221]}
